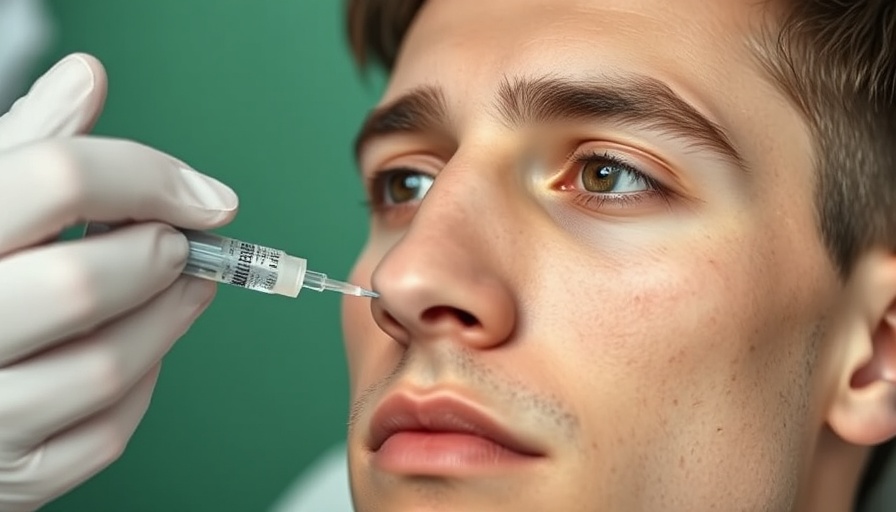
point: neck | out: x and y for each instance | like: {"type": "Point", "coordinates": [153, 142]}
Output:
{"type": "Point", "coordinates": [834, 475]}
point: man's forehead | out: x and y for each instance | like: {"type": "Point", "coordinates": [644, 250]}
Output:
{"type": "Point", "coordinates": [686, 14]}
{"type": "Point", "coordinates": [474, 41]}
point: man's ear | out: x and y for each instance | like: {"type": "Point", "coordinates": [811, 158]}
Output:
{"type": "Point", "coordinates": [863, 410]}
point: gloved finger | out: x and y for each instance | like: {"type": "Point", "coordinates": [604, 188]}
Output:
{"type": "Point", "coordinates": [62, 290]}
{"type": "Point", "coordinates": [75, 455]}
{"type": "Point", "coordinates": [50, 185]}
{"type": "Point", "coordinates": [65, 101]}
{"type": "Point", "coordinates": [54, 292]}
{"type": "Point", "coordinates": [60, 387]}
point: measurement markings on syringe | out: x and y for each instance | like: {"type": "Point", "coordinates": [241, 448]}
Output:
{"type": "Point", "coordinates": [271, 259]}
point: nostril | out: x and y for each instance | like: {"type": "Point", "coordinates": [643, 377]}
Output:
{"type": "Point", "coordinates": [436, 313]}
{"type": "Point", "coordinates": [466, 318]}
{"type": "Point", "coordinates": [389, 319]}
{"type": "Point", "coordinates": [387, 322]}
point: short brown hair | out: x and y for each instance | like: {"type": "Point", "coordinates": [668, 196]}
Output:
{"type": "Point", "coordinates": [377, 27]}
{"type": "Point", "coordinates": [836, 60]}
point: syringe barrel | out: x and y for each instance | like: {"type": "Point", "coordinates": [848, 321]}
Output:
{"type": "Point", "coordinates": [244, 264]}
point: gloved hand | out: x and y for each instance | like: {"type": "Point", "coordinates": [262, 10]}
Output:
{"type": "Point", "coordinates": [84, 324]}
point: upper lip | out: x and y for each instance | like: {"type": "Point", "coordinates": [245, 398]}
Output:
{"type": "Point", "coordinates": [440, 414]}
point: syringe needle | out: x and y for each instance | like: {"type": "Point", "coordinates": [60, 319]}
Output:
{"type": "Point", "coordinates": [319, 282]}
{"type": "Point", "coordinates": [347, 288]}
{"type": "Point", "coordinates": [367, 293]}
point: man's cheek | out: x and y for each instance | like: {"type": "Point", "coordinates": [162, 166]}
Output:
{"type": "Point", "coordinates": [650, 318]}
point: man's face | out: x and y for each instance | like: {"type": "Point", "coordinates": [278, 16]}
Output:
{"type": "Point", "coordinates": [614, 295]}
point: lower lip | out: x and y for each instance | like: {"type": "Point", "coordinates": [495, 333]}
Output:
{"type": "Point", "coordinates": [444, 453]}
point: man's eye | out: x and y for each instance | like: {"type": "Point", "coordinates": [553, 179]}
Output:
{"type": "Point", "coordinates": [400, 186]}
{"type": "Point", "coordinates": [605, 174]}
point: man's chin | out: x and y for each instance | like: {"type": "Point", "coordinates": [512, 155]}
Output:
{"type": "Point", "coordinates": [437, 486]}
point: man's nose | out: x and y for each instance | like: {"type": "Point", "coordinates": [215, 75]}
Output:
{"type": "Point", "coordinates": [442, 280]}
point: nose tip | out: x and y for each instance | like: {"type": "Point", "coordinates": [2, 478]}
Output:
{"type": "Point", "coordinates": [426, 303]}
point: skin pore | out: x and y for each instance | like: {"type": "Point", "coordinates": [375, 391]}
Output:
{"type": "Point", "coordinates": [617, 261]}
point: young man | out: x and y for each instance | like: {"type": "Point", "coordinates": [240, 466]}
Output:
{"type": "Point", "coordinates": [632, 255]}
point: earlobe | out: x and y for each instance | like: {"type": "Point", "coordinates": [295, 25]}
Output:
{"type": "Point", "coordinates": [863, 411]}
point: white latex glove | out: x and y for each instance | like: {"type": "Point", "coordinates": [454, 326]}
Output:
{"type": "Point", "coordinates": [84, 324]}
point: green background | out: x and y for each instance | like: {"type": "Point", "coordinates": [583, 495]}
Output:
{"type": "Point", "coordinates": [261, 94]}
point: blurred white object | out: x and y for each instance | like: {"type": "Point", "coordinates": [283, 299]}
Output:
{"type": "Point", "coordinates": [25, 34]}
{"type": "Point", "coordinates": [323, 487]}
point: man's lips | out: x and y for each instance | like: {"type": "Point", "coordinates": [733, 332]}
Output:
{"type": "Point", "coordinates": [441, 434]}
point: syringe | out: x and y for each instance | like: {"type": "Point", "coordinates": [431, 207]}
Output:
{"type": "Point", "coordinates": [252, 266]}
{"type": "Point", "coordinates": [256, 267]}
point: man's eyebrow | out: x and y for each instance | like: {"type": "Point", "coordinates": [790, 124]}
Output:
{"type": "Point", "coordinates": [419, 110]}
{"type": "Point", "coordinates": [637, 100]}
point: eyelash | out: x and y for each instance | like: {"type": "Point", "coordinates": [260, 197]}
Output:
{"type": "Point", "coordinates": [597, 200]}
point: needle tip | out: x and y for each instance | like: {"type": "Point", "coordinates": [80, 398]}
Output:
{"type": "Point", "coordinates": [368, 293]}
